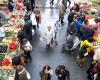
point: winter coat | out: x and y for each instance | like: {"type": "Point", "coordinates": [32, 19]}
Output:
{"type": "Point", "coordinates": [22, 74]}
{"type": "Point", "coordinates": [49, 35]}
{"type": "Point", "coordinates": [72, 28]}
{"type": "Point", "coordinates": [70, 17]}
{"type": "Point", "coordinates": [28, 30]}
{"type": "Point", "coordinates": [61, 10]}
{"type": "Point", "coordinates": [60, 70]}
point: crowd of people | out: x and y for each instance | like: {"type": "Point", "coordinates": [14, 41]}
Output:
{"type": "Point", "coordinates": [78, 25]}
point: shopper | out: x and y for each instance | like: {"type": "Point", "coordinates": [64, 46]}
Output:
{"type": "Point", "coordinates": [71, 17]}
{"type": "Point", "coordinates": [33, 19]}
{"type": "Point", "coordinates": [62, 72]}
{"type": "Point", "coordinates": [72, 29]}
{"type": "Point", "coordinates": [65, 4]}
{"type": "Point", "coordinates": [61, 13]}
{"type": "Point", "coordinates": [82, 54]}
{"type": "Point", "coordinates": [28, 30]}
{"type": "Point", "coordinates": [19, 59]}
{"type": "Point", "coordinates": [57, 29]}
{"type": "Point", "coordinates": [37, 15]}
{"type": "Point", "coordinates": [27, 49]}
{"type": "Point", "coordinates": [21, 73]}
{"type": "Point", "coordinates": [46, 73]}
{"type": "Point", "coordinates": [21, 36]}
{"type": "Point", "coordinates": [49, 36]}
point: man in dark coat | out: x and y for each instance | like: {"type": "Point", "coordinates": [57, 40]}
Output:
{"type": "Point", "coordinates": [71, 17]}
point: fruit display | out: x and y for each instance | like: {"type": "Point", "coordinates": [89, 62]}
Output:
{"type": "Point", "coordinates": [6, 62]}
{"type": "Point", "coordinates": [86, 7]}
{"type": "Point", "coordinates": [13, 46]}
{"type": "Point", "coordinates": [6, 41]}
{"type": "Point", "coordinates": [90, 16]}
{"type": "Point", "coordinates": [3, 1]}
{"type": "Point", "coordinates": [5, 74]}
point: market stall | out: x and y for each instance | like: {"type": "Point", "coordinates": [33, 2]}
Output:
{"type": "Point", "coordinates": [9, 45]}
{"type": "Point", "coordinates": [92, 15]}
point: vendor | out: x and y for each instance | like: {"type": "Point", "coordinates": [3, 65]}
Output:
{"type": "Point", "coordinates": [2, 31]}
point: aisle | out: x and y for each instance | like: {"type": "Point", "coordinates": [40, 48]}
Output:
{"type": "Point", "coordinates": [54, 56]}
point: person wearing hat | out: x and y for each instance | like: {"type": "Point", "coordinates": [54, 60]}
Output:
{"type": "Point", "coordinates": [2, 31]}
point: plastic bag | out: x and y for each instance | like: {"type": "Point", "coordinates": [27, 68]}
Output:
{"type": "Point", "coordinates": [28, 75]}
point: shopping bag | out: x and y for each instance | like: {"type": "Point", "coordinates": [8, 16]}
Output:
{"type": "Point", "coordinates": [28, 75]}
{"type": "Point", "coordinates": [33, 32]}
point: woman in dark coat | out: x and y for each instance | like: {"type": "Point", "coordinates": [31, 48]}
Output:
{"type": "Point", "coordinates": [62, 73]}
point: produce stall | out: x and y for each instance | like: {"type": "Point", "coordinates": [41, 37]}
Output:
{"type": "Point", "coordinates": [9, 45]}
